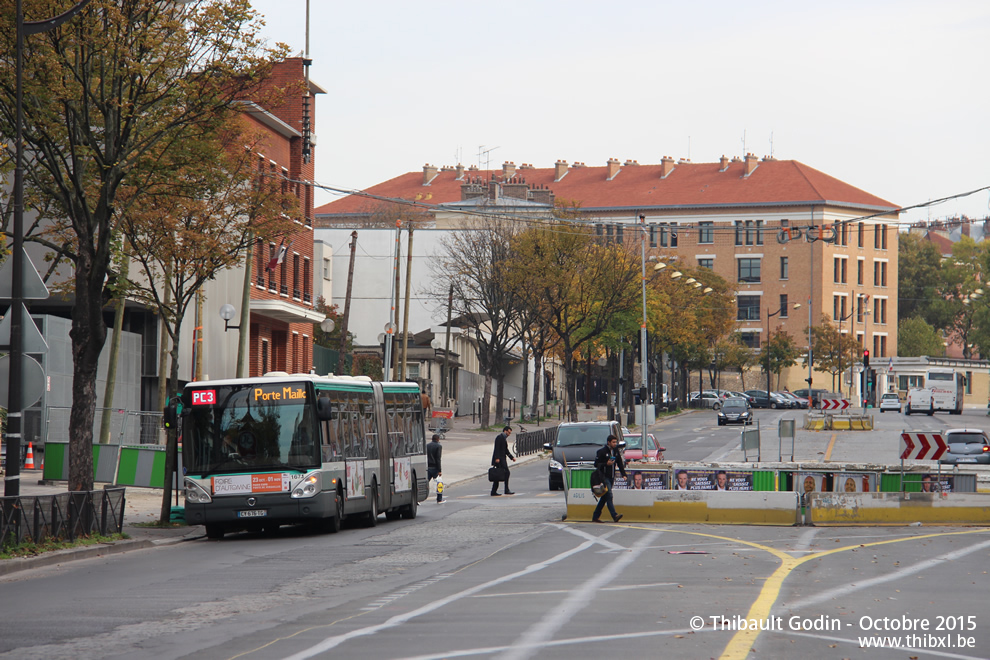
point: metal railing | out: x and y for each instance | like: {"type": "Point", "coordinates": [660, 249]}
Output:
{"type": "Point", "coordinates": [64, 516]}
{"type": "Point", "coordinates": [531, 442]}
{"type": "Point", "coordinates": [126, 426]}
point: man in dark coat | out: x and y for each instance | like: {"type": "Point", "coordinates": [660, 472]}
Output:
{"type": "Point", "coordinates": [499, 456]}
{"type": "Point", "coordinates": [433, 468]}
{"type": "Point", "coordinates": [606, 460]}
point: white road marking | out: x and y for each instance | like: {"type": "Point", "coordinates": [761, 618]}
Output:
{"type": "Point", "coordinates": [533, 639]}
{"type": "Point", "coordinates": [838, 592]}
{"type": "Point", "coordinates": [629, 587]}
{"type": "Point", "coordinates": [336, 640]}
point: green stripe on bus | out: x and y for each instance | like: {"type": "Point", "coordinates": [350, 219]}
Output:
{"type": "Point", "coordinates": [324, 387]}
{"type": "Point", "coordinates": [400, 388]}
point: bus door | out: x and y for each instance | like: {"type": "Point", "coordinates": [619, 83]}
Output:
{"type": "Point", "coordinates": [384, 453]}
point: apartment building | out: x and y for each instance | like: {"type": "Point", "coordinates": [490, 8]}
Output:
{"type": "Point", "coordinates": [783, 232]}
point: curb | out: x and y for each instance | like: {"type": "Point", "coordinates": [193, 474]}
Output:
{"type": "Point", "coordinates": [16, 565]}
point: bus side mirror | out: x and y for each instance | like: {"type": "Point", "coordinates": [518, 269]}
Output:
{"type": "Point", "coordinates": [324, 410]}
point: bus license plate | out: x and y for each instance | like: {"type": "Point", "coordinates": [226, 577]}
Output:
{"type": "Point", "coordinates": [253, 513]}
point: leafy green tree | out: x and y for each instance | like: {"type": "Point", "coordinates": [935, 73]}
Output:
{"type": "Point", "coordinates": [916, 338]}
{"type": "Point", "coordinates": [779, 352]}
{"type": "Point", "coordinates": [578, 284]}
{"type": "Point", "coordinates": [105, 95]}
{"type": "Point", "coordinates": [920, 279]}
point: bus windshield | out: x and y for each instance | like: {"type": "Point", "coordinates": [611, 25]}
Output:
{"type": "Point", "coordinates": [237, 428]}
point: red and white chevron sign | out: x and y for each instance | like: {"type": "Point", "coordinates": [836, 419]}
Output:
{"type": "Point", "coordinates": [834, 404]}
{"type": "Point", "coordinates": [916, 445]}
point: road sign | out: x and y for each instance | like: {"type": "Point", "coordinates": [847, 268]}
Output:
{"type": "Point", "coordinates": [916, 446]}
{"type": "Point", "coordinates": [33, 376]}
{"type": "Point", "coordinates": [33, 286]}
{"type": "Point", "coordinates": [834, 404]}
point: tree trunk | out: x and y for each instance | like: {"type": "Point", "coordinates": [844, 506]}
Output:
{"type": "Point", "coordinates": [88, 335]}
{"type": "Point", "coordinates": [537, 381]}
{"type": "Point", "coordinates": [486, 398]}
{"type": "Point", "coordinates": [172, 439]}
{"type": "Point", "coordinates": [571, 389]}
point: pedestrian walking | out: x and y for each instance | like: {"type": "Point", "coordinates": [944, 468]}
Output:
{"type": "Point", "coordinates": [433, 467]}
{"type": "Point", "coordinates": [606, 460]}
{"type": "Point", "coordinates": [499, 462]}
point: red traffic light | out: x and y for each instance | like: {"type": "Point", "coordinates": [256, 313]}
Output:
{"type": "Point", "coordinates": [866, 352]}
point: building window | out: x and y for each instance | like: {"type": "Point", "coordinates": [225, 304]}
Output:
{"type": "Point", "coordinates": [307, 283]}
{"type": "Point", "coordinates": [783, 305]}
{"type": "Point", "coordinates": [845, 233]}
{"type": "Point", "coordinates": [750, 339]}
{"type": "Point", "coordinates": [842, 307]}
{"type": "Point", "coordinates": [326, 269]}
{"type": "Point", "coordinates": [905, 383]}
{"type": "Point", "coordinates": [749, 270]}
{"type": "Point", "coordinates": [296, 280]}
{"type": "Point", "coordinates": [839, 270]}
{"type": "Point", "coordinates": [750, 234]}
{"type": "Point", "coordinates": [599, 230]}
{"type": "Point", "coordinates": [883, 237]}
{"type": "Point", "coordinates": [876, 345]}
{"type": "Point", "coordinates": [883, 345]}
{"type": "Point", "coordinates": [876, 237]}
{"type": "Point", "coordinates": [749, 308]}
{"type": "Point", "coordinates": [783, 268]}
{"type": "Point", "coordinates": [706, 233]}
{"type": "Point", "coordinates": [759, 232]}
{"type": "Point", "coordinates": [862, 231]}
{"type": "Point", "coordinates": [653, 235]}
{"type": "Point", "coordinates": [618, 234]}
{"type": "Point", "coordinates": [860, 267]}
{"type": "Point", "coordinates": [835, 308]}
{"type": "Point", "coordinates": [845, 262]}
{"type": "Point", "coordinates": [883, 273]}
{"type": "Point", "coordinates": [859, 309]}
{"type": "Point", "coordinates": [664, 230]}
{"type": "Point", "coordinates": [264, 357]}
{"type": "Point", "coordinates": [876, 273]}
{"type": "Point", "coordinates": [673, 235]}
{"type": "Point", "coordinates": [707, 263]}
{"type": "Point", "coordinates": [608, 233]}
{"type": "Point", "coordinates": [739, 232]}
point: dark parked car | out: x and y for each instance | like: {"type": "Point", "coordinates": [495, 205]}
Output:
{"type": "Point", "coordinates": [813, 395]}
{"type": "Point", "coordinates": [578, 442]}
{"type": "Point", "coordinates": [762, 401]}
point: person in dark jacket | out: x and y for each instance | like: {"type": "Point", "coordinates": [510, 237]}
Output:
{"type": "Point", "coordinates": [606, 460]}
{"type": "Point", "coordinates": [433, 467]}
{"type": "Point", "coordinates": [499, 456]}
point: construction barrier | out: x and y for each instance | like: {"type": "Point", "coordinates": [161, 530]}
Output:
{"type": "Point", "coordinates": [57, 462]}
{"type": "Point", "coordinates": [673, 506]}
{"type": "Point", "coordinates": [814, 422]}
{"type": "Point", "coordinates": [898, 508]}
{"type": "Point", "coordinates": [143, 466]}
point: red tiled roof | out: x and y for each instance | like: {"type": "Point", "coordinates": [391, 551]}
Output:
{"type": "Point", "coordinates": [773, 182]}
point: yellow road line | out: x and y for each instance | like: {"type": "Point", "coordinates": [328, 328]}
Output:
{"type": "Point", "coordinates": [828, 452]}
{"type": "Point", "coordinates": [742, 642]}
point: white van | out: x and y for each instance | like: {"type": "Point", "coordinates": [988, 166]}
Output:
{"type": "Point", "coordinates": [919, 400]}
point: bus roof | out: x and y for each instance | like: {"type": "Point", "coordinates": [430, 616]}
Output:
{"type": "Point", "coordinates": [356, 382]}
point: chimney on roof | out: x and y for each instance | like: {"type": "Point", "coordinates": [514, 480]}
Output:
{"type": "Point", "coordinates": [527, 166]}
{"type": "Point", "coordinates": [460, 171]}
{"type": "Point", "coordinates": [666, 166]}
{"type": "Point", "coordinates": [508, 169]}
{"type": "Point", "coordinates": [723, 163]}
{"type": "Point", "coordinates": [613, 168]}
{"type": "Point", "coordinates": [630, 163]}
{"type": "Point", "coordinates": [752, 162]}
{"type": "Point", "coordinates": [429, 173]}
{"type": "Point", "coordinates": [559, 170]}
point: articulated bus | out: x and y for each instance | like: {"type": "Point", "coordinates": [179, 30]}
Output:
{"type": "Point", "coordinates": [947, 388]}
{"type": "Point", "coordinates": [286, 449]}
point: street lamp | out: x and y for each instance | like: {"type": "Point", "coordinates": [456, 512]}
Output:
{"type": "Point", "coordinates": [644, 373]}
{"type": "Point", "coordinates": [783, 308]}
{"type": "Point", "coordinates": [841, 319]}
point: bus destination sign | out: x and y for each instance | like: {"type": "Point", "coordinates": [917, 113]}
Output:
{"type": "Point", "coordinates": [279, 394]}
{"type": "Point", "coordinates": [204, 397]}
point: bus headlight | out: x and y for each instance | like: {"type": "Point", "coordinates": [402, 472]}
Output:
{"type": "Point", "coordinates": [196, 494]}
{"type": "Point", "coordinates": [555, 465]}
{"type": "Point", "coordinates": [307, 487]}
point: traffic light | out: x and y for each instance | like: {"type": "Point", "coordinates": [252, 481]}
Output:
{"type": "Point", "coordinates": [866, 358]}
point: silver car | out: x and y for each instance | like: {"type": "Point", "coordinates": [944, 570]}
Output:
{"type": "Point", "coordinates": [966, 446]}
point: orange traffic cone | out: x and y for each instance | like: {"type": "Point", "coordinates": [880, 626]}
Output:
{"type": "Point", "coordinates": [29, 463]}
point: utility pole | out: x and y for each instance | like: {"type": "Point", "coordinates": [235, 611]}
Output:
{"type": "Point", "coordinates": [446, 347]}
{"type": "Point", "coordinates": [347, 304]}
{"type": "Point", "coordinates": [405, 312]}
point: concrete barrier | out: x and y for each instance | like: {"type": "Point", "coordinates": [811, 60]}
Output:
{"type": "Point", "coordinates": [671, 506]}
{"type": "Point", "coordinates": [814, 422]}
{"type": "Point", "coordinates": [898, 508]}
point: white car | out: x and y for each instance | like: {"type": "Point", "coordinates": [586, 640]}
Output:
{"type": "Point", "coordinates": [890, 401]}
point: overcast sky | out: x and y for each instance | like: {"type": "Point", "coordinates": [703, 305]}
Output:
{"type": "Point", "coordinates": [891, 97]}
